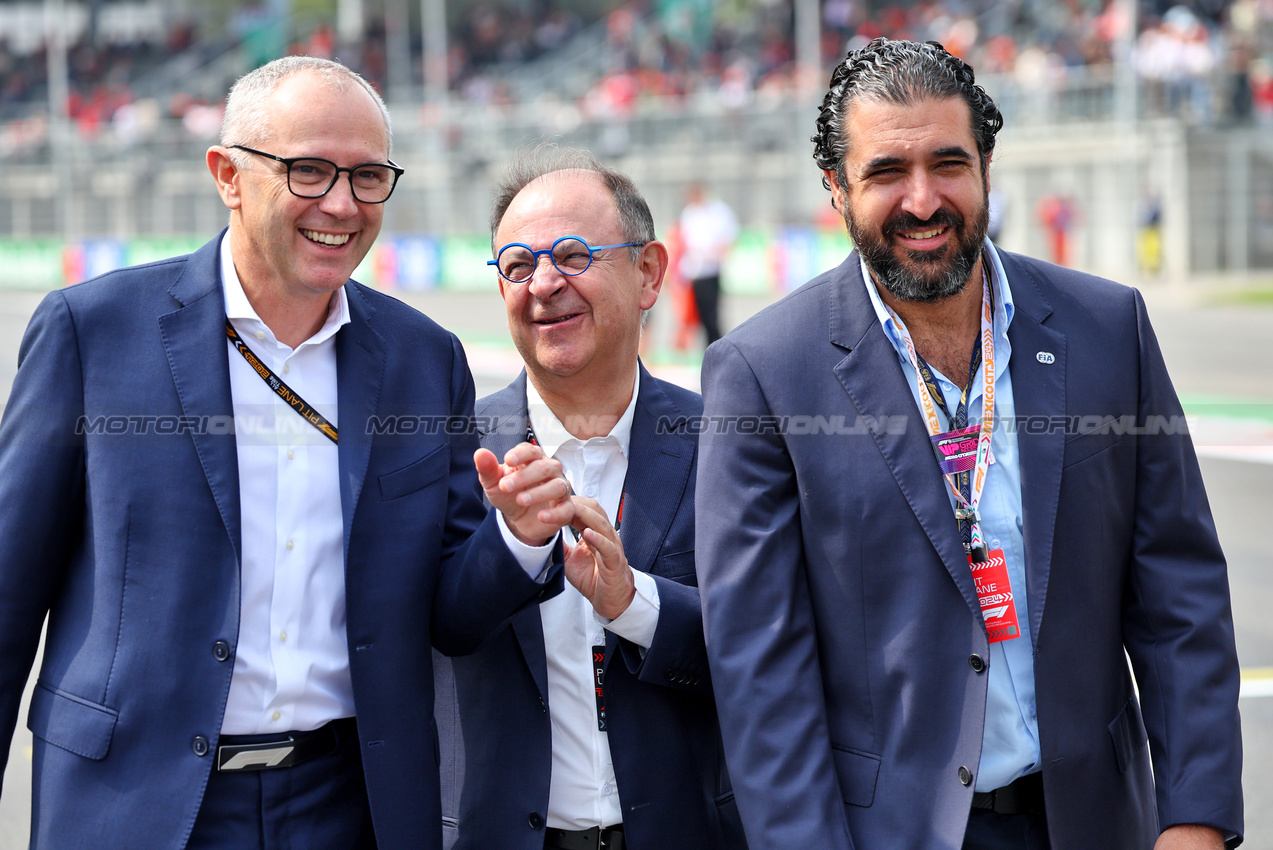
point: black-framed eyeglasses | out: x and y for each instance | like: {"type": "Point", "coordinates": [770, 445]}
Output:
{"type": "Point", "coordinates": [311, 177]}
{"type": "Point", "coordinates": [571, 255]}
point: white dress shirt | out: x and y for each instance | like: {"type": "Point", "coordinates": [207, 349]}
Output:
{"type": "Point", "coordinates": [582, 790]}
{"type": "Point", "coordinates": [291, 663]}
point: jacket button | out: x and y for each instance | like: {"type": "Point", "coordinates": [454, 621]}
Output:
{"type": "Point", "coordinates": [976, 662]}
{"type": "Point", "coordinates": [221, 650]}
{"type": "Point", "coordinates": [199, 745]}
{"type": "Point", "coordinates": [965, 775]}
{"type": "Point", "coordinates": [536, 820]}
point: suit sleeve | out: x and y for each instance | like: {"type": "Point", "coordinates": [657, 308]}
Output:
{"type": "Point", "coordinates": [481, 584]}
{"type": "Point", "coordinates": [1178, 623]}
{"type": "Point", "coordinates": [758, 617]}
{"type": "Point", "coordinates": [677, 657]}
{"type": "Point", "coordinates": [42, 491]}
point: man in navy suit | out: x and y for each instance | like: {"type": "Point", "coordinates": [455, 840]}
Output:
{"type": "Point", "coordinates": [589, 722]}
{"type": "Point", "coordinates": [945, 492]}
{"type": "Point", "coordinates": [244, 553]}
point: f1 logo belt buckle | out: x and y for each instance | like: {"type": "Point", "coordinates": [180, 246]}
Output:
{"type": "Point", "coordinates": [256, 756]}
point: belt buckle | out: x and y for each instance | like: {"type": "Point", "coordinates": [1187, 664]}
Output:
{"type": "Point", "coordinates": [262, 756]}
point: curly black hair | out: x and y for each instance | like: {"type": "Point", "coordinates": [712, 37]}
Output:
{"type": "Point", "coordinates": [899, 72]}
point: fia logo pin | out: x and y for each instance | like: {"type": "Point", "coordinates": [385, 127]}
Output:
{"type": "Point", "coordinates": [1045, 357]}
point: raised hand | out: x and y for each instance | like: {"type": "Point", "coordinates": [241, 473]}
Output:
{"type": "Point", "coordinates": [529, 489]}
{"type": "Point", "coordinates": [596, 565]}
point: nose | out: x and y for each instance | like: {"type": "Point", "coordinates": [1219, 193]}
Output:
{"type": "Point", "coordinates": [339, 200]}
{"type": "Point", "coordinates": [922, 197]}
{"type": "Point", "coordinates": [547, 280]}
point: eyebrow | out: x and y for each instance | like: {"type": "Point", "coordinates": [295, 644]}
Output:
{"type": "Point", "coordinates": [951, 152]}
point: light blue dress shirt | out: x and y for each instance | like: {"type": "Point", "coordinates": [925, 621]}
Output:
{"type": "Point", "coordinates": [1010, 738]}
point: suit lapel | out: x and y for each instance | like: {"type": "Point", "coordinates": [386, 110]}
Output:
{"type": "Point", "coordinates": [504, 416]}
{"type": "Point", "coordinates": [195, 343]}
{"type": "Point", "coordinates": [875, 383]}
{"type": "Point", "coordinates": [1038, 391]}
{"type": "Point", "coordinates": [360, 369]}
{"type": "Point", "coordinates": [658, 472]}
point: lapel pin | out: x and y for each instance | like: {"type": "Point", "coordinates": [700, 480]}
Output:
{"type": "Point", "coordinates": [1045, 357]}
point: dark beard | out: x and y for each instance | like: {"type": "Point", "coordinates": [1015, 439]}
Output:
{"type": "Point", "coordinates": [931, 275]}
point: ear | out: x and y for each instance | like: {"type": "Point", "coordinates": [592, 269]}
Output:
{"type": "Point", "coordinates": [837, 193]}
{"type": "Point", "coordinates": [653, 265]}
{"type": "Point", "coordinates": [226, 175]}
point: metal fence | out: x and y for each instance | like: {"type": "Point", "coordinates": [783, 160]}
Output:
{"type": "Point", "coordinates": [1207, 192]}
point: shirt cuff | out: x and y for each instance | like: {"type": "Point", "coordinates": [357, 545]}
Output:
{"type": "Point", "coordinates": [639, 621]}
{"type": "Point", "coordinates": [533, 559]}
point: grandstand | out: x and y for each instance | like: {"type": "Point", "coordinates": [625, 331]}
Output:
{"type": "Point", "coordinates": [1153, 117]}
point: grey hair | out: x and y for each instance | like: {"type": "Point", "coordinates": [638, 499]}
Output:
{"type": "Point", "coordinates": [247, 120]}
{"type": "Point", "coordinates": [528, 166]}
{"type": "Point", "coordinates": [902, 73]}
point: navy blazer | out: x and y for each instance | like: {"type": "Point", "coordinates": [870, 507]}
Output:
{"type": "Point", "coordinates": [492, 706]}
{"type": "Point", "coordinates": [119, 477]}
{"type": "Point", "coordinates": [840, 611]}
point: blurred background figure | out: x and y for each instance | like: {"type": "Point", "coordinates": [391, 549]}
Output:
{"type": "Point", "coordinates": [1149, 237]}
{"type": "Point", "coordinates": [1056, 214]}
{"type": "Point", "coordinates": [708, 231]}
{"type": "Point", "coordinates": [680, 294]}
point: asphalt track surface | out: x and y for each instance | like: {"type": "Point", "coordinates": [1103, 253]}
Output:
{"type": "Point", "coordinates": [1218, 360]}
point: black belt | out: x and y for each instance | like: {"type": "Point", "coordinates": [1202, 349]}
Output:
{"type": "Point", "coordinates": [1023, 796]}
{"type": "Point", "coordinates": [268, 752]}
{"type": "Point", "coordinates": [597, 838]}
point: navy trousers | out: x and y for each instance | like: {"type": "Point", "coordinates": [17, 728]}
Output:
{"type": "Point", "coordinates": [318, 805]}
{"type": "Point", "coordinates": [989, 830]}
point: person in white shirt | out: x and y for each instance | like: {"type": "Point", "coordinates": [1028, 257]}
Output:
{"type": "Point", "coordinates": [243, 488]}
{"type": "Point", "coordinates": [708, 231]}
{"type": "Point", "coordinates": [589, 722]}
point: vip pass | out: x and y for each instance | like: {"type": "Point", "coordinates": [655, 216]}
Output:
{"type": "Point", "coordinates": [966, 449]}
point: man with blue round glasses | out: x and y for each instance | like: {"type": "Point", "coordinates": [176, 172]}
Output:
{"type": "Point", "coordinates": [589, 722]}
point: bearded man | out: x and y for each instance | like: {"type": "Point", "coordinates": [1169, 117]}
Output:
{"type": "Point", "coordinates": [944, 494]}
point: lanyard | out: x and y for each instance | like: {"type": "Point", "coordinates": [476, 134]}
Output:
{"type": "Point", "coordinates": [282, 390]}
{"type": "Point", "coordinates": [598, 650]}
{"type": "Point", "coordinates": [965, 486]}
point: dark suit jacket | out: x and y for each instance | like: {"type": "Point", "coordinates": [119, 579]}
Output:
{"type": "Point", "coordinates": [840, 610]}
{"type": "Point", "coordinates": [127, 532]}
{"type": "Point", "coordinates": [493, 707]}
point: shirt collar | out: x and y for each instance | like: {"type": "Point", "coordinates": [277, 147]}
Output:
{"type": "Point", "coordinates": [239, 309]}
{"type": "Point", "coordinates": [552, 435]}
{"type": "Point", "coordinates": [1004, 308]}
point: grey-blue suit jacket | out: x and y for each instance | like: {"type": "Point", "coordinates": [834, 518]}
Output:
{"type": "Point", "coordinates": [840, 611]}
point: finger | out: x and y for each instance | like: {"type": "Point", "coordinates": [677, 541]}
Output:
{"type": "Point", "coordinates": [488, 468]}
{"type": "Point", "coordinates": [523, 454]}
{"type": "Point", "coordinates": [551, 492]}
{"type": "Point", "coordinates": [556, 516]}
{"type": "Point", "coordinates": [609, 554]}
{"type": "Point", "coordinates": [581, 569]}
{"type": "Point", "coordinates": [536, 472]}
{"type": "Point", "coordinates": [588, 514]}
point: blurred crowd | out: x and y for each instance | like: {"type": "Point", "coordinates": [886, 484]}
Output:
{"type": "Point", "coordinates": [1209, 61]}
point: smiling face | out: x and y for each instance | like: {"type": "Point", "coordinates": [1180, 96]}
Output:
{"type": "Point", "coordinates": [915, 196]}
{"type": "Point", "coordinates": [586, 326]}
{"type": "Point", "coordinates": [285, 247]}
